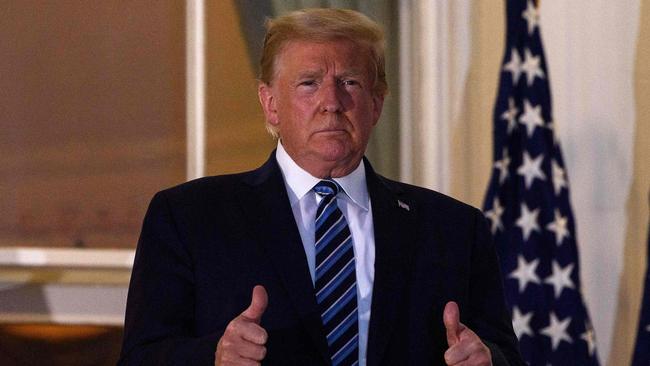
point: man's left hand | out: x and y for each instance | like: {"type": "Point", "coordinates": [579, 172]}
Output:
{"type": "Point", "coordinates": [465, 347]}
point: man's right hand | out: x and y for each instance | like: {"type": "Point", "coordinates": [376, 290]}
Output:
{"type": "Point", "coordinates": [243, 341]}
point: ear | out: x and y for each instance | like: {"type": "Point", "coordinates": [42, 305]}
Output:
{"type": "Point", "coordinates": [268, 102]}
{"type": "Point", "coordinates": [378, 105]}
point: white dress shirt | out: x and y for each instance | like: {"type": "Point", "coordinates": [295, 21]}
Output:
{"type": "Point", "coordinates": [354, 202]}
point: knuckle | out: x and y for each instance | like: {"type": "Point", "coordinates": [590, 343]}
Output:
{"type": "Point", "coordinates": [448, 358]}
{"type": "Point", "coordinates": [261, 353]}
{"type": "Point", "coordinates": [226, 344]}
{"type": "Point", "coordinates": [263, 337]}
{"type": "Point", "coordinates": [249, 362]}
{"type": "Point", "coordinates": [232, 327]}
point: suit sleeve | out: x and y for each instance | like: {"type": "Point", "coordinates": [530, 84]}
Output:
{"type": "Point", "coordinates": [490, 316]}
{"type": "Point", "coordinates": [159, 322]}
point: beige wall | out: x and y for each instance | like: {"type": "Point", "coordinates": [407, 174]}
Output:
{"type": "Point", "coordinates": [236, 137]}
{"type": "Point", "coordinates": [91, 117]}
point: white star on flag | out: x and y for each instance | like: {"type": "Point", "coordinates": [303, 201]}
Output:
{"type": "Point", "coordinates": [495, 216]}
{"type": "Point", "coordinates": [560, 278]}
{"type": "Point", "coordinates": [557, 331]}
{"type": "Point", "coordinates": [502, 166]}
{"type": "Point", "coordinates": [532, 17]}
{"type": "Point", "coordinates": [510, 115]}
{"type": "Point", "coordinates": [532, 117]}
{"type": "Point", "coordinates": [559, 227]}
{"type": "Point", "coordinates": [525, 272]}
{"type": "Point", "coordinates": [531, 67]}
{"type": "Point", "coordinates": [588, 336]}
{"type": "Point", "coordinates": [521, 323]}
{"type": "Point", "coordinates": [531, 169]}
{"type": "Point", "coordinates": [527, 221]}
{"type": "Point", "coordinates": [514, 66]}
{"type": "Point", "coordinates": [559, 178]}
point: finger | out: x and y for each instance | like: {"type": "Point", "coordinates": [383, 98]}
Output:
{"type": "Point", "coordinates": [235, 360]}
{"type": "Point", "coordinates": [239, 362]}
{"type": "Point", "coordinates": [472, 355]}
{"type": "Point", "coordinates": [469, 350]}
{"type": "Point", "coordinates": [453, 357]}
{"type": "Point", "coordinates": [252, 351]}
{"type": "Point", "coordinates": [242, 329]}
{"type": "Point", "coordinates": [245, 362]}
{"type": "Point", "coordinates": [458, 353]}
{"type": "Point", "coordinates": [451, 319]}
{"type": "Point", "coordinates": [480, 359]}
{"type": "Point", "coordinates": [252, 332]}
{"type": "Point", "coordinates": [234, 349]}
{"type": "Point", "coordinates": [258, 305]}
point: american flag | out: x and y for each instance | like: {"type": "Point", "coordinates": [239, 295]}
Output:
{"type": "Point", "coordinates": [642, 349]}
{"type": "Point", "coordinates": [528, 207]}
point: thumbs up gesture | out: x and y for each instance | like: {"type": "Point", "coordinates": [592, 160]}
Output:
{"type": "Point", "coordinates": [244, 339]}
{"type": "Point", "coordinates": [465, 347]}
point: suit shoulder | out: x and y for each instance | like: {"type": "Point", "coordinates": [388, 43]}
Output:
{"type": "Point", "coordinates": [202, 188]}
{"type": "Point", "coordinates": [429, 199]}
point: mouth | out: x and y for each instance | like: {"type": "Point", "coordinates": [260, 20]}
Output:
{"type": "Point", "coordinates": [331, 131]}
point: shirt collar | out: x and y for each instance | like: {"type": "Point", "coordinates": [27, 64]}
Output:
{"type": "Point", "coordinates": [300, 182]}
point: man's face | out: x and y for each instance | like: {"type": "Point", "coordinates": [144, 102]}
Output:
{"type": "Point", "coordinates": [323, 104]}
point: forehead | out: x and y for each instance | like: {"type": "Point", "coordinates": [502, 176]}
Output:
{"type": "Point", "coordinates": [345, 55]}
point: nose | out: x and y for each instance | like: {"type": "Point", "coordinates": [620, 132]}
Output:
{"type": "Point", "coordinates": [330, 99]}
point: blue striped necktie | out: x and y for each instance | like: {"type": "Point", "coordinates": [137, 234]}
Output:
{"type": "Point", "coordinates": [336, 288]}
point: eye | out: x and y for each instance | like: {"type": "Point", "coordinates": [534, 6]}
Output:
{"type": "Point", "coordinates": [350, 84]}
{"type": "Point", "coordinates": [307, 83]}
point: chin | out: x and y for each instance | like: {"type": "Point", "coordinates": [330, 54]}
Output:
{"type": "Point", "coordinates": [333, 150]}
{"type": "Point", "coordinates": [340, 160]}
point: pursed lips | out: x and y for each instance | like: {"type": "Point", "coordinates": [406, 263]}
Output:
{"type": "Point", "coordinates": [331, 131]}
{"type": "Point", "coordinates": [331, 126]}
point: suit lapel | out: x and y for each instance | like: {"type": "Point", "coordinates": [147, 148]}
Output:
{"type": "Point", "coordinates": [266, 203]}
{"type": "Point", "coordinates": [394, 220]}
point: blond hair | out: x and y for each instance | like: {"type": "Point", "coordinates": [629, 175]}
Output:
{"type": "Point", "coordinates": [323, 25]}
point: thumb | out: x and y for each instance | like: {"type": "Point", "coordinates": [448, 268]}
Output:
{"type": "Point", "coordinates": [258, 304]}
{"type": "Point", "coordinates": [451, 318]}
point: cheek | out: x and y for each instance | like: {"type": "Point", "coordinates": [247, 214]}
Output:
{"type": "Point", "coordinates": [304, 104]}
{"type": "Point", "coordinates": [302, 114]}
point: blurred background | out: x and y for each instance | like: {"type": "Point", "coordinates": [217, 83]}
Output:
{"type": "Point", "coordinates": [103, 103]}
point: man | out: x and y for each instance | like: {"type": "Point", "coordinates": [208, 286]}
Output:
{"type": "Point", "coordinates": [314, 259]}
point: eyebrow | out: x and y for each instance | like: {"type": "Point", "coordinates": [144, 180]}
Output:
{"type": "Point", "coordinates": [318, 73]}
{"type": "Point", "coordinates": [309, 74]}
{"type": "Point", "coordinates": [351, 72]}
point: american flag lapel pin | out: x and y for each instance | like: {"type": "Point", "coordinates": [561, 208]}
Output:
{"type": "Point", "coordinates": [403, 205]}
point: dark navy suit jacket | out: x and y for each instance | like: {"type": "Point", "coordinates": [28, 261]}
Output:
{"type": "Point", "coordinates": [205, 244]}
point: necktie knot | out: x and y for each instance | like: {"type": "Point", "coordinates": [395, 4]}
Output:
{"type": "Point", "coordinates": [326, 188]}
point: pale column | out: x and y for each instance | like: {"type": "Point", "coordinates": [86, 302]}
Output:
{"type": "Point", "coordinates": [195, 88]}
{"type": "Point", "coordinates": [434, 60]}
